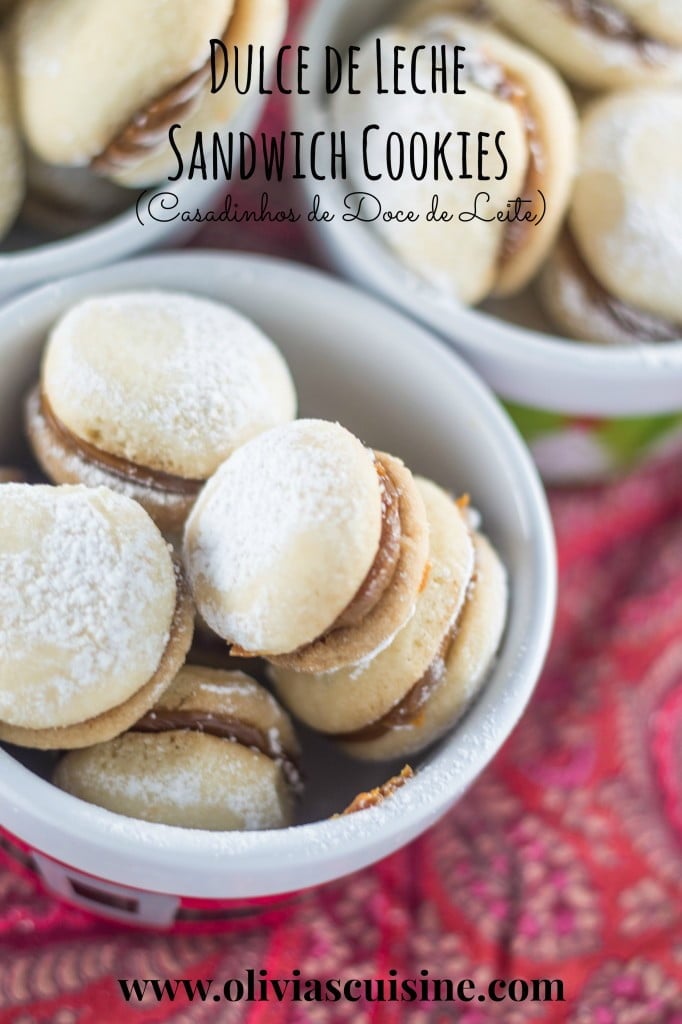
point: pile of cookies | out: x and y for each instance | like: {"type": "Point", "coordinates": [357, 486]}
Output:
{"type": "Point", "coordinates": [587, 93]}
{"type": "Point", "coordinates": [188, 509]}
{"type": "Point", "coordinates": [89, 91]}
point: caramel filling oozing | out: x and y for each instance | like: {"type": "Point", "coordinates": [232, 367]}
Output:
{"type": "Point", "coordinates": [378, 579]}
{"type": "Point", "coordinates": [606, 20]}
{"type": "Point", "coordinates": [510, 89]}
{"type": "Point", "coordinates": [225, 727]}
{"type": "Point", "coordinates": [154, 479]}
{"type": "Point", "coordinates": [517, 231]}
{"type": "Point", "coordinates": [636, 322]}
{"type": "Point", "coordinates": [406, 713]}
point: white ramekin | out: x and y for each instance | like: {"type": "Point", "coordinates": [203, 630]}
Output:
{"type": "Point", "coordinates": [520, 360]}
{"type": "Point", "coordinates": [399, 389]}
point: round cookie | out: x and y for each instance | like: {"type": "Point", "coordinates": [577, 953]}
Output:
{"type": "Point", "coordinates": [615, 277]}
{"type": "Point", "coordinates": [12, 173]}
{"type": "Point", "coordinates": [137, 158]}
{"type": "Point", "coordinates": [101, 84]}
{"type": "Point", "coordinates": [601, 44]}
{"type": "Point", "coordinates": [509, 90]}
{"type": "Point", "coordinates": [149, 392]}
{"type": "Point", "coordinates": [583, 310]}
{"type": "Point", "coordinates": [217, 752]}
{"type": "Point", "coordinates": [352, 697]}
{"type": "Point", "coordinates": [95, 617]}
{"type": "Point", "coordinates": [625, 215]}
{"type": "Point", "coordinates": [305, 534]}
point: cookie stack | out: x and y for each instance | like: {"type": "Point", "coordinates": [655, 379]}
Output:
{"type": "Point", "coordinates": [188, 495]}
{"type": "Point", "coordinates": [141, 397]}
{"type": "Point", "coordinates": [377, 605]}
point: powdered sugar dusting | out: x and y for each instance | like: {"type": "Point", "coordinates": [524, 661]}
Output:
{"type": "Point", "coordinates": [292, 520]}
{"type": "Point", "coordinates": [163, 778]}
{"type": "Point", "coordinates": [166, 380]}
{"type": "Point", "coordinates": [87, 596]}
{"type": "Point", "coordinates": [641, 242]}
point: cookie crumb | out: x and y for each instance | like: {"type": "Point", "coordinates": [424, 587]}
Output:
{"type": "Point", "coordinates": [363, 801]}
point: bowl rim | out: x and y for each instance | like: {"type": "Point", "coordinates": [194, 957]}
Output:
{"type": "Point", "coordinates": [154, 857]}
{"type": "Point", "coordinates": [518, 362]}
{"type": "Point", "coordinates": [112, 231]}
{"type": "Point", "coordinates": [115, 237]}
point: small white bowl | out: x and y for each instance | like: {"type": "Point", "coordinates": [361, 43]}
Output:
{"type": "Point", "coordinates": [512, 348]}
{"type": "Point", "coordinates": [29, 256]}
{"type": "Point", "coordinates": [355, 360]}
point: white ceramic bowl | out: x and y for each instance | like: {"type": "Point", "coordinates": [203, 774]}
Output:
{"type": "Point", "coordinates": [400, 390]}
{"type": "Point", "coordinates": [29, 256]}
{"type": "Point", "coordinates": [511, 344]}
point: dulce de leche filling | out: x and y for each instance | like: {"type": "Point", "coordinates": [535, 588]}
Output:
{"type": "Point", "coordinates": [167, 483]}
{"type": "Point", "coordinates": [485, 73]}
{"type": "Point", "coordinates": [150, 126]}
{"type": "Point", "coordinates": [517, 231]}
{"type": "Point", "coordinates": [406, 712]}
{"type": "Point", "coordinates": [225, 727]}
{"type": "Point", "coordinates": [382, 570]}
{"type": "Point", "coordinates": [602, 17]}
{"type": "Point", "coordinates": [641, 325]}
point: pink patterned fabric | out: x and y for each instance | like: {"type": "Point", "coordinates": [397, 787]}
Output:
{"type": "Point", "coordinates": [563, 861]}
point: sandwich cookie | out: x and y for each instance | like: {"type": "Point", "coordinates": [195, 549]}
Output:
{"type": "Point", "coordinates": [101, 84]}
{"type": "Point", "coordinates": [217, 752]}
{"type": "Point", "coordinates": [307, 548]}
{"type": "Point", "coordinates": [149, 392]}
{"type": "Point", "coordinates": [486, 247]}
{"type": "Point", "coordinates": [412, 693]}
{"type": "Point", "coordinates": [142, 152]}
{"type": "Point", "coordinates": [615, 276]}
{"type": "Point", "coordinates": [601, 44]}
{"type": "Point", "coordinates": [95, 618]}
{"type": "Point", "coordinates": [12, 173]}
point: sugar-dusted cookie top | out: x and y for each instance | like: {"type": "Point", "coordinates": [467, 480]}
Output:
{"type": "Point", "coordinates": [626, 214]}
{"type": "Point", "coordinates": [86, 68]}
{"type": "Point", "coordinates": [87, 600]}
{"type": "Point", "coordinates": [168, 381]}
{"type": "Point", "coordinates": [284, 534]}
